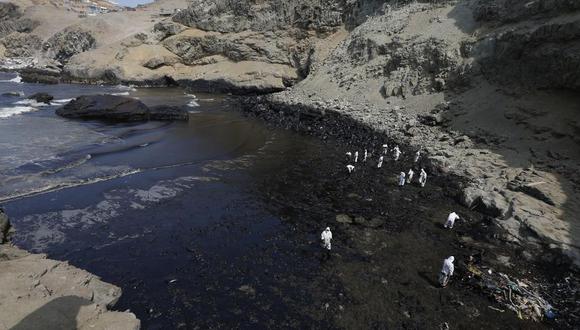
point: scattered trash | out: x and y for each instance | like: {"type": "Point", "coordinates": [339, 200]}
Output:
{"type": "Point", "coordinates": [512, 294]}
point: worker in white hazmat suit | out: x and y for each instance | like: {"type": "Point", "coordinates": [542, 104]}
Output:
{"type": "Point", "coordinates": [402, 179]}
{"type": "Point", "coordinates": [380, 164]}
{"type": "Point", "coordinates": [410, 175]}
{"type": "Point", "coordinates": [350, 168]}
{"type": "Point", "coordinates": [366, 155]}
{"type": "Point", "coordinates": [385, 149]}
{"type": "Point", "coordinates": [423, 178]}
{"type": "Point", "coordinates": [326, 237]}
{"type": "Point", "coordinates": [451, 220]}
{"type": "Point", "coordinates": [396, 153]}
{"type": "Point", "coordinates": [348, 154]}
{"type": "Point", "coordinates": [446, 271]}
{"type": "Point", "coordinates": [417, 155]}
{"type": "Point", "coordinates": [356, 156]}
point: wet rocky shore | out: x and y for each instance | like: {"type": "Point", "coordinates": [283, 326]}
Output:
{"type": "Point", "coordinates": [373, 214]}
{"type": "Point", "coordinates": [40, 293]}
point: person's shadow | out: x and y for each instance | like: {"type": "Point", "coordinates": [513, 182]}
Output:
{"type": "Point", "coordinates": [428, 277]}
{"type": "Point", "coordinates": [60, 313]}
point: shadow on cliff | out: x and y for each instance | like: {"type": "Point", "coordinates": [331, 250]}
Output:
{"type": "Point", "coordinates": [60, 313]}
{"type": "Point", "coordinates": [527, 127]}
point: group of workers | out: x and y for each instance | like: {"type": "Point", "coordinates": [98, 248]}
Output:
{"type": "Point", "coordinates": [396, 153]}
{"type": "Point", "coordinates": [448, 266]}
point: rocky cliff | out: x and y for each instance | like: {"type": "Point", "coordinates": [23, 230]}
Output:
{"type": "Point", "coordinates": [485, 88]}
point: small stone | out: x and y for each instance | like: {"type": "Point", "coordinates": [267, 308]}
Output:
{"type": "Point", "coordinates": [343, 218]}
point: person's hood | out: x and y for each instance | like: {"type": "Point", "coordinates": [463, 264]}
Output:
{"type": "Point", "coordinates": [327, 229]}
{"type": "Point", "coordinates": [452, 258]}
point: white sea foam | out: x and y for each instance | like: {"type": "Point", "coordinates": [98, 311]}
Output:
{"type": "Point", "coordinates": [62, 101]}
{"type": "Point", "coordinates": [193, 104]}
{"type": "Point", "coordinates": [16, 79]}
{"type": "Point", "coordinates": [31, 103]}
{"type": "Point", "coordinates": [126, 88]}
{"type": "Point", "coordinates": [12, 111]}
{"type": "Point", "coordinates": [120, 94]}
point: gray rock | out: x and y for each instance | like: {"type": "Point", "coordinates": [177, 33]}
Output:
{"type": "Point", "coordinates": [159, 61]}
{"type": "Point", "coordinates": [240, 15]}
{"type": "Point", "coordinates": [41, 97]}
{"type": "Point", "coordinates": [108, 107]}
{"type": "Point", "coordinates": [69, 42]}
{"type": "Point", "coordinates": [343, 218]}
{"type": "Point", "coordinates": [21, 44]}
{"type": "Point", "coordinates": [490, 203]}
{"type": "Point", "coordinates": [4, 226]}
{"type": "Point", "coordinates": [534, 184]}
{"type": "Point", "coordinates": [167, 29]}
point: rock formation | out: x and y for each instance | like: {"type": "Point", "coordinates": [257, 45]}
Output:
{"type": "Point", "coordinates": [50, 294]}
{"type": "Point", "coordinates": [118, 108]}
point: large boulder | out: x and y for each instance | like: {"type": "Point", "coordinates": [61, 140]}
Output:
{"type": "Point", "coordinates": [117, 108]}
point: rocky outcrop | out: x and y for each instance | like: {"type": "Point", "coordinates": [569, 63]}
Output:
{"type": "Point", "coordinates": [236, 16]}
{"type": "Point", "coordinates": [50, 294]}
{"type": "Point", "coordinates": [65, 44]}
{"type": "Point", "coordinates": [11, 20]}
{"type": "Point", "coordinates": [117, 108]}
{"type": "Point", "coordinates": [542, 55]}
{"type": "Point", "coordinates": [21, 44]}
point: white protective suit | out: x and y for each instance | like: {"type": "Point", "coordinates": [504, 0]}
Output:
{"type": "Point", "coordinates": [423, 178]}
{"type": "Point", "coordinates": [350, 168]}
{"type": "Point", "coordinates": [451, 220]}
{"type": "Point", "coordinates": [402, 179]}
{"type": "Point", "coordinates": [380, 164]}
{"type": "Point", "coordinates": [410, 175]}
{"type": "Point", "coordinates": [446, 271]}
{"type": "Point", "coordinates": [366, 154]}
{"type": "Point", "coordinates": [385, 148]}
{"type": "Point", "coordinates": [396, 153]}
{"type": "Point", "coordinates": [417, 155]}
{"type": "Point", "coordinates": [326, 237]}
{"type": "Point", "coordinates": [356, 156]}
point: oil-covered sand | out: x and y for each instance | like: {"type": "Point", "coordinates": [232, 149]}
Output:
{"type": "Point", "coordinates": [216, 224]}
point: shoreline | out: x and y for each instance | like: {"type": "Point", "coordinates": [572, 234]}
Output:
{"type": "Point", "coordinates": [355, 126]}
{"type": "Point", "coordinates": [41, 293]}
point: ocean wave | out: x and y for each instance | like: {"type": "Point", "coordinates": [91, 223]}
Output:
{"type": "Point", "coordinates": [55, 186]}
{"type": "Point", "coordinates": [12, 111]}
{"type": "Point", "coordinates": [62, 101]}
{"type": "Point", "coordinates": [120, 94]}
{"type": "Point", "coordinates": [31, 103]}
{"type": "Point", "coordinates": [126, 88]}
